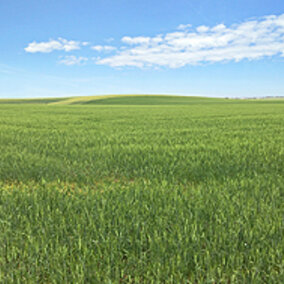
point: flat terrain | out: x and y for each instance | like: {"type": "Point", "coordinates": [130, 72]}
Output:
{"type": "Point", "coordinates": [141, 189]}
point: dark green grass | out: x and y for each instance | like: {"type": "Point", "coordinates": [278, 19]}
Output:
{"type": "Point", "coordinates": [142, 193]}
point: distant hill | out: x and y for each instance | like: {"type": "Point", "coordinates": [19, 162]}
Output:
{"type": "Point", "coordinates": [137, 100]}
{"type": "Point", "coordinates": [116, 100]}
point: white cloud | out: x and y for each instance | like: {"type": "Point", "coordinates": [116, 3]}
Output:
{"type": "Point", "coordinates": [51, 45]}
{"type": "Point", "coordinates": [184, 27]}
{"type": "Point", "coordinates": [97, 47]}
{"type": "Point", "coordinates": [73, 60]}
{"type": "Point", "coordinates": [202, 29]}
{"type": "Point", "coordinates": [136, 40]}
{"type": "Point", "coordinates": [110, 39]}
{"type": "Point", "coordinates": [103, 48]}
{"type": "Point", "coordinates": [218, 28]}
{"type": "Point", "coordinates": [252, 40]}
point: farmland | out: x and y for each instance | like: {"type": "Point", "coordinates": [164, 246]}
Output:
{"type": "Point", "coordinates": [145, 189]}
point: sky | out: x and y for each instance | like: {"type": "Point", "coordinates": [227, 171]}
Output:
{"type": "Point", "coordinates": [218, 48]}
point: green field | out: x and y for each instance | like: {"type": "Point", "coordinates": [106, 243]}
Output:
{"type": "Point", "coordinates": [141, 189]}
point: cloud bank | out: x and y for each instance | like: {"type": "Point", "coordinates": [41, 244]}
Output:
{"type": "Point", "coordinates": [252, 40]}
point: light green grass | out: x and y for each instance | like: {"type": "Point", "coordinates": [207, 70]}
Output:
{"type": "Point", "coordinates": [147, 193]}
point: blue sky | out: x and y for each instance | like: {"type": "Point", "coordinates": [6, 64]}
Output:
{"type": "Point", "coordinates": [194, 47]}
